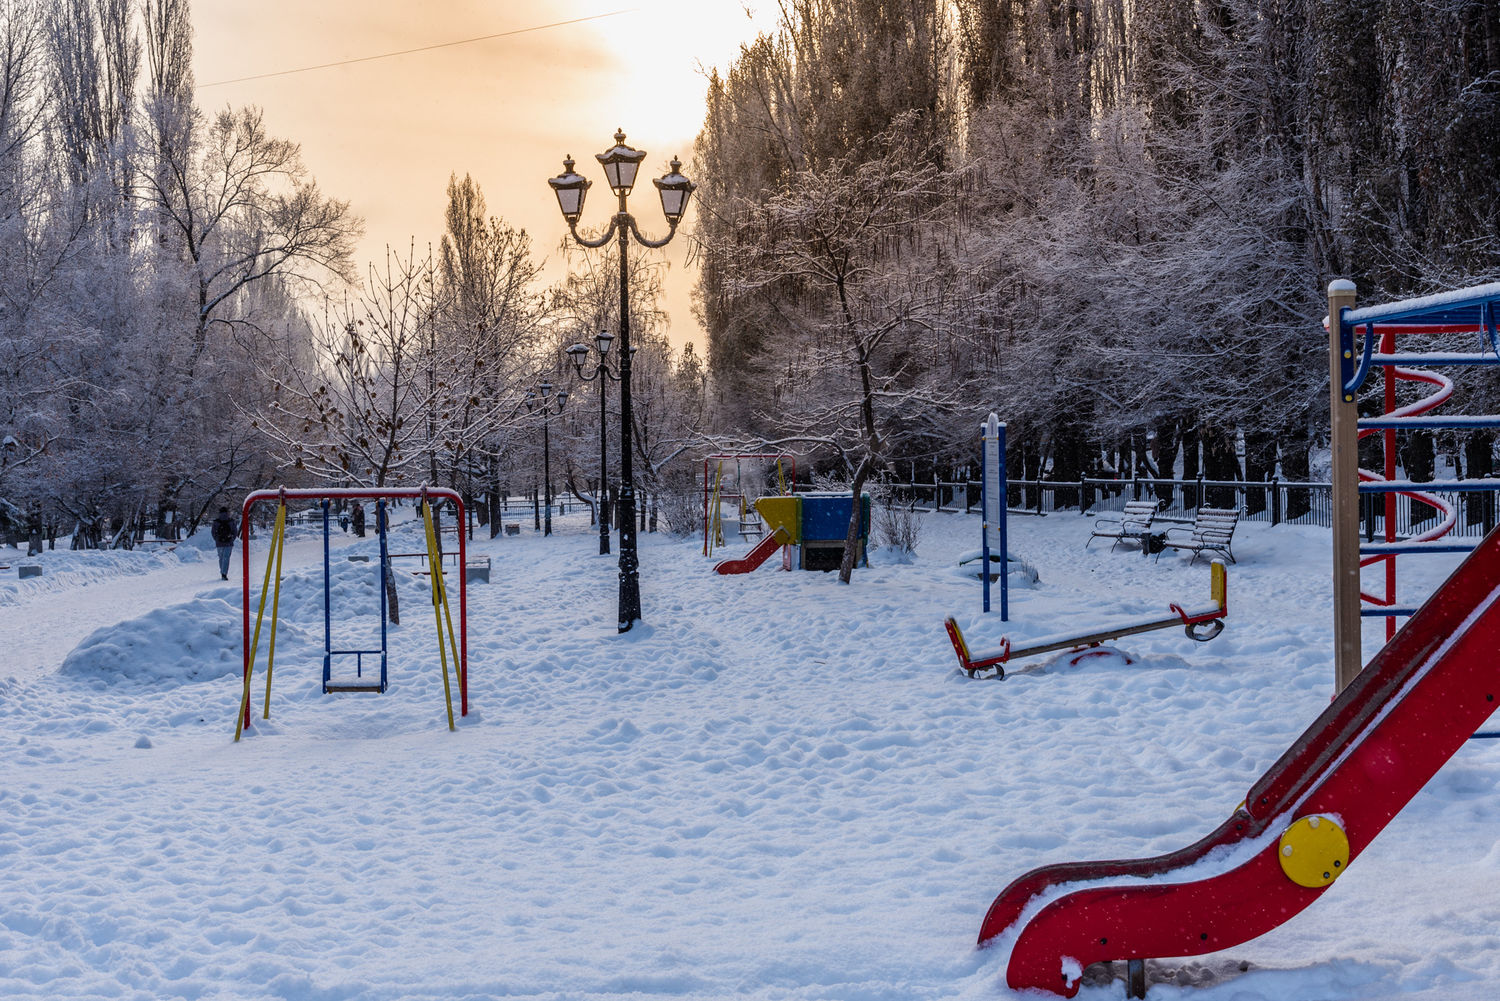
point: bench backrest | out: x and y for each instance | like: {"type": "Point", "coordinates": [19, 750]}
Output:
{"type": "Point", "coordinates": [1138, 513]}
{"type": "Point", "coordinates": [1215, 523]}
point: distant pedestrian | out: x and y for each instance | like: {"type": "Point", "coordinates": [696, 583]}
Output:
{"type": "Point", "coordinates": [358, 519]}
{"type": "Point", "coordinates": [224, 530]}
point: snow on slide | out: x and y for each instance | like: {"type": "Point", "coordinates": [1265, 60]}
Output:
{"type": "Point", "coordinates": [754, 558]}
{"type": "Point", "coordinates": [1360, 762]}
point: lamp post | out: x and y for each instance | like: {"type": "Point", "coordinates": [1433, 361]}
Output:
{"type": "Point", "coordinates": [620, 163]}
{"type": "Point", "coordinates": [602, 374]}
{"type": "Point", "coordinates": [545, 406]}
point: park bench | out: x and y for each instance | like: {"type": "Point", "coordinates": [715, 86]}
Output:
{"type": "Point", "coordinates": [1133, 524]}
{"type": "Point", "coordinates": [1212, 531]}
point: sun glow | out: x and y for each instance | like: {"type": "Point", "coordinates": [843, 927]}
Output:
{"type": "Point", "coordinates": [661, 53]}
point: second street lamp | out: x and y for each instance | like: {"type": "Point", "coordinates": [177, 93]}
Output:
{"type": "Point", "coordinates": [602, 374]}
{"type": "Point", "coordinates": [620, 163]}
{"type": "Point", "coordinates": [544, 404]}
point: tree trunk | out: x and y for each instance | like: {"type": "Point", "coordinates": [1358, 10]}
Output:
{"type": "Point", "coordinates": [1166, 455]}
{"type": "Point", "coordinates": [1296, 465]}
{"type": "Point", "coordinates": [1260, 466]}
{"type": "Point", "coordinates": [1419, 455]}
{"type": "Point", "coordinates": [392, 605]}
{"type": "Point", "coordinates": [1190, 465]}
{"type": "Point", "coordinates": [1067, 465]}
{"type": "Point", "coordinates": [851, 539]}
{"type": "Point", "coordinates": [1220, 463]}
{"type": "Point", "coordinates": [1479, 463]}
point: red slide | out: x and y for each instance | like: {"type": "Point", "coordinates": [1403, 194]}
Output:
{"type": "Point", "coordinates": [754, 558]}
{"type": "Point", "coordinates": [1365, 757]}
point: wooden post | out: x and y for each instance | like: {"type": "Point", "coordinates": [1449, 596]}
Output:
{"type": "Point", "coordinates": [1344, 442]}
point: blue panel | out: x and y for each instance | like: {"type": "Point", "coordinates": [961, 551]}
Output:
{"type": "Point", "coordinates": [825, 517]}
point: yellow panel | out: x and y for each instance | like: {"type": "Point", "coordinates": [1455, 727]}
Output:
{"type": "Point", "coordinates": [1314, 851]}
{"type": "Point", "coordinates": [783, 516]}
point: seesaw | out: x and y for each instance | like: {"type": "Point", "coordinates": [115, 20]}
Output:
{"type": "Point", "coordinates": [1201, 624]}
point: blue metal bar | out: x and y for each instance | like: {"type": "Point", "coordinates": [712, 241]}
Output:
{"type": "Point", "coordinates": [1004, 542]}
{"type": "Point", "coordinates": [1398, 548]}
{"type": "Point", "coordinates": [1436, 358]}
{"type": "Point", "coordinates": [984, 519]}
{"type": "Point", "coordinates": [1460, 421]}
{"type": "Point", "coordinates": [1353, 379]}
{"type": "Point", "coordinates": [327, 616]}
{"type": "Point", "coordinates": [385, 569]}
{"type": "Point", "coordinates": [1436, 486]}
{"type": "Point", "coordinates": [1386, 612]}
{"type": "Point", "coordinates": [1425, 306]}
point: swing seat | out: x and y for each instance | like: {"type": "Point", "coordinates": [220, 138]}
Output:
{"type": "Point", "coordinates": [370, 686]}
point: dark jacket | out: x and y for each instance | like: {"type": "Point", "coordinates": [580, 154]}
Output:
{"type": "Point", "coordinates": [224, 530]}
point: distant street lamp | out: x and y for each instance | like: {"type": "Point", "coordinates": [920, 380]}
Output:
{"type": "Point", "coordinates": [544, 404]}
{"type": "Point", "coordinates": [620, 163]}
{"type": "Point", "coordinates": [602, 374]}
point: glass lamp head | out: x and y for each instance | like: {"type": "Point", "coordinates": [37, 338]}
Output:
{"type": "Point", "coordinates": [620, 164]}
{"type": "Point", "coordinates": [675, 190]}
{"type": "Point", "coordinates": [570, 188]}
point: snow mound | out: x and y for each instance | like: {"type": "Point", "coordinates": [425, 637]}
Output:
{"type": "Point", "coordinates": [196, 640]}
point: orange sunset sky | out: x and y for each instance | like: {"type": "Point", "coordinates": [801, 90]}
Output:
{"type": "Point", "coordinates": [386, 133]}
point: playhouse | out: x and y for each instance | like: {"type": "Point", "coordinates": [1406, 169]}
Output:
{"type": "Point", "coordinates": [809, 528]}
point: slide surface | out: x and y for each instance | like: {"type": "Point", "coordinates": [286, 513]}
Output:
{"type": "Point", "coordinates": [754, 558]}
{"type": "Point", "coordinates": [1385, 736]}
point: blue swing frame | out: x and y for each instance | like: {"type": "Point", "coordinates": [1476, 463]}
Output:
{"type": "Point", "coordinates": [328, 651]}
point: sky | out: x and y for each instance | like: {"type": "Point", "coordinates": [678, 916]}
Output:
{"type": "Point", "coordinates": [387, 133]}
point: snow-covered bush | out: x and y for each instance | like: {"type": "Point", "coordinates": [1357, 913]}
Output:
{"type": "Point", "coordinates": [898, 524]}
{"type": "Point", "coordinates": [681, 513]}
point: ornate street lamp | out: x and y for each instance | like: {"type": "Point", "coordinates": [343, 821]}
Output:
{"type": "Point", "coordinates": [602, 373]}
{"type": "Point", "coordinates": [545, 404]}
{"type": "Point", "coordinates": [620, 163]}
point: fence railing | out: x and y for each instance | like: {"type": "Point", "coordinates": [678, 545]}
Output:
{"type": "Point", "coordinates": [1273, 501]}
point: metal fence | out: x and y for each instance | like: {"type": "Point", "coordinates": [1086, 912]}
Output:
{"type": "Point", "coordinates": [1272, 501]}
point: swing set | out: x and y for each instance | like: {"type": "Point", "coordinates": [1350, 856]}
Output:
{"type": "Point", "coordinates": [715, 492]}
{"type": "Point", "coordinates": [448, 644]}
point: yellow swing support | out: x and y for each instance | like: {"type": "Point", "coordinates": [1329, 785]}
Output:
{"type": "Point", "coordinates": [713, 534]}
{"type": "Point", "coordinates": [273, 558]}
{"type": "Point", "coordinates": [440, 610]}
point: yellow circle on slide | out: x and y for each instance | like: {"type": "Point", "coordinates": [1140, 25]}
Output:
{"type": "Point", "coordinates": [1314, 852]}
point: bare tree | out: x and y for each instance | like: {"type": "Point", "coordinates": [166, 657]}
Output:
{"type": "Point", "coordinates": [238, 206]}
{"type": "Point", "coordinates": [356, 414]}
{"type": "Point", "coordinates": [834, 260]}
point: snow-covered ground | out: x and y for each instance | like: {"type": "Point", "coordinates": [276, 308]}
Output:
{"type": "Point", "coordinates": [776, 787]}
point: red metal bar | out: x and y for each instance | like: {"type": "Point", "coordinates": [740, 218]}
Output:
{"type": "Point", "coordinates": [245, 601]}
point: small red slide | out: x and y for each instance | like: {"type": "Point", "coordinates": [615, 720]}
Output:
{"type": "Point", "coordinates": [754, 558]}
{"type": "Point", "coordinates": [1301, 825]}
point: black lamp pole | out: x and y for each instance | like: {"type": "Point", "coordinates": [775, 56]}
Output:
{"type": "Point", "coordinates": [620, 164]}
{"type": "Point", "coordinates": [547, 412]}
{"type": "Point", "coordinates": [602, 374]}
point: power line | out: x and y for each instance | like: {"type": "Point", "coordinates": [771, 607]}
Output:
{"type": "Point", "coordinates": [422, 48]}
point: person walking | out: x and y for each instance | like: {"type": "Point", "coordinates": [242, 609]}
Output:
{"type": "Point", "coordinates": [358, 518]}
{"type": "Point", "coordinates": [224, 530]}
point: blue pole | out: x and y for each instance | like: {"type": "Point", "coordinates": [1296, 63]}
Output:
{"type": "Point", "coordinates": [327, 617]}
{"type": "Point", "coordinates": [1000, 505]}
{"type": "Point", "coordinates": [380, 584]}
{"type": "Point", "coordinates": [984, 521]}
